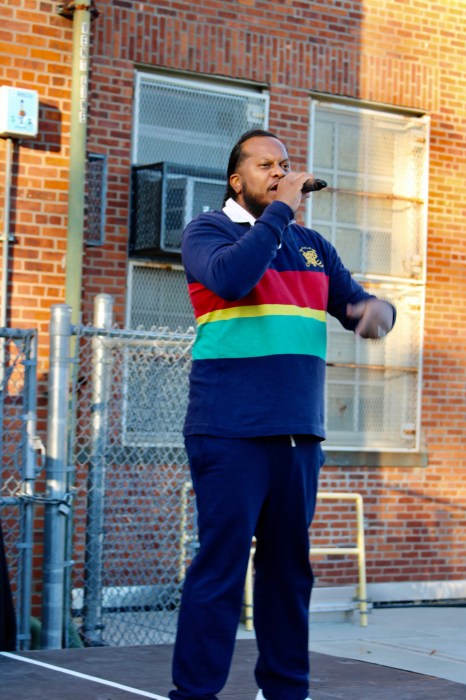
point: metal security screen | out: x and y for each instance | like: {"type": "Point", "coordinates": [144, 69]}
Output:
{"type": "Point", "coordinates": [96, 199]}
{"type": "Point", "coordinates": [183, 134]}
{"type": "Point", "coordinates": [372, 386]}
{"type": "Point", "coordinates": [374, 212]}
{"type": "Point", "coordinates": [376, 165]}
{"type": "Point", "coordinates": [158, 297]}
{"type": "Point", "coordinates": [192, 122]}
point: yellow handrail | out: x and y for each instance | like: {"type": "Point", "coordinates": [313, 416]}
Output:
{"type": "Point", "coordinates": [358, 550]}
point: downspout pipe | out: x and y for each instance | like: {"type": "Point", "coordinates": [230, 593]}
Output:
{"type": "Point", "coordinates": [6, 234]}
{"type": "Point", "coordinates": [5, 262]}
{"type": "Point", "coordinates": [81, 14]}
{"type": "Point", "coordinates": [63, 318]}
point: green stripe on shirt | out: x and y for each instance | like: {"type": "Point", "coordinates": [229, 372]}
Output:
{"type": "Point", "coordinates": [261, 336]}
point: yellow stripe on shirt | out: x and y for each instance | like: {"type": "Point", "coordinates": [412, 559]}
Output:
{"type": "Point", "coordinates": [261, 310]}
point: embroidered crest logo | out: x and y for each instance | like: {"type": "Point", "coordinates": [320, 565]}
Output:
{"type": "Point", "coordinates": [311, 258]}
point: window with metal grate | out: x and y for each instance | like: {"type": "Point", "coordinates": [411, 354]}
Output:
{"type": "Point", "coordinates": [158, 297]}
{"type": "Point", "coordinates": [192, 122]}
{"type": "Point", "coordinates": [374, 212]}
{"type": "Point", "coordinates": [183, 133]}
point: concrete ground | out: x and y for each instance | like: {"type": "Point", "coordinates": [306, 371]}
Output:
{"type": "Point", "coordinates": [403, 654]}
{"type": "Point", "coordinates": [428, 640]}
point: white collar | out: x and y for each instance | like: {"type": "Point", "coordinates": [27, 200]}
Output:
{"type": "Point", "coordinates": [240, 215]}
{"type": "Point", "coordinates": [237, 213]}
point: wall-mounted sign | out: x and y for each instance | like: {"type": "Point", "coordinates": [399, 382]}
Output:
{"type": "Point", "coordinates": [19, 111]}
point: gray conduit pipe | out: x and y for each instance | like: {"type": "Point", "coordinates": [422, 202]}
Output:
{"type": "Point", "coordinates": [6, 234]}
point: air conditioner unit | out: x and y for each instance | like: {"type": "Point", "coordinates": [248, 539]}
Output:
{"type": "Point", "coordinates": [165, 197]}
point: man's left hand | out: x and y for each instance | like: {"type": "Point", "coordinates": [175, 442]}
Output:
{"type": "Point", "coordinates": [375, 318]}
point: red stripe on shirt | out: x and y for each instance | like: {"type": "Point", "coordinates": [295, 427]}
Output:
{"type": "Point", "coordinates": [306, 289]}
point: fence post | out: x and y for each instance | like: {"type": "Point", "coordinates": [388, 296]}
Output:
{"type": "Point", "coordinates": [56, 508]}
{"type": "Point", "coordinates": [101, 383]}
{"type": "Point", "coordinates": [32, 446]}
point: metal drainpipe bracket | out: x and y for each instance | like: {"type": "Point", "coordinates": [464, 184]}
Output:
{"type": "Point", "coordinates": [67, 9]}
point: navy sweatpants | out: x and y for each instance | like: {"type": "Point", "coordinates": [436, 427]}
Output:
{"type": "Point", "coordinates": [253, 486]}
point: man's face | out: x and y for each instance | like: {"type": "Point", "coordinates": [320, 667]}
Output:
{"type": "Point", "coordinates": [265, 161]}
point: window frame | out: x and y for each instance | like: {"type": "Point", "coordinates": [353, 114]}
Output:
{"type": "Point", "coordinates": [367, 278]}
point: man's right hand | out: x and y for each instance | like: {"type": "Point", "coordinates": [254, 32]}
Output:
{"type": "Point", "coordinates": [290, 187]}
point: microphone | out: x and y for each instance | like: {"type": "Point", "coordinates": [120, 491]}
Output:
{"type": "Point", "coordinates": [313, 185]}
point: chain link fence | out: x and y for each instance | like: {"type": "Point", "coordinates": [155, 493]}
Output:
{"type": "Point", "coordinates": [19, 466]}
{"type": "Point", "coordinates": [129, 549]}
{"type": "Point", "coordinates": [119, 525]}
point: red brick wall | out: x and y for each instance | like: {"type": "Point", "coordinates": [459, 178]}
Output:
{"type": "Point", "coordinates": [35, 53]}
{"type": "Point", "coordinates": [408, 54]}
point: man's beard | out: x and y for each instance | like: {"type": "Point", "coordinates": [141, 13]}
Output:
{"type": "Point", "coordinates": [253, 206]}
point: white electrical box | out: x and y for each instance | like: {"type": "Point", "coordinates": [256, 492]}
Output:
{"type": "Point", "coordinates": [19, 111]}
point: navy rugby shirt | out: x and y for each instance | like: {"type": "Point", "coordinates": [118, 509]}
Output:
{"type": "Point", "coordinates": [261, 294]}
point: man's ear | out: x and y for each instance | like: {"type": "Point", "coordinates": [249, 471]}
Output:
{"type": "Point", "coordinates": [235, 183]}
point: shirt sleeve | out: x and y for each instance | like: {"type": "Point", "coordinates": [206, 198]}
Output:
{"type": "Point", "coordinates": [343, 290]}
{"type": "Point", "coordinates": [227, 259]}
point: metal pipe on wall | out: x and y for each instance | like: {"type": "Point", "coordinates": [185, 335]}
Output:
{"type": "Point", "coordinates": [57, 507]}
{"type": "Point", "coordinates": [101, 383]}
{"type": "Point", "coordinates": [81, 15]}
{"type": "Point", "coordinates": [5, 254]}
{"type": "Point", "coordinates": [6, 233]}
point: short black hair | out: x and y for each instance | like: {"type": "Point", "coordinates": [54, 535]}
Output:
{"type": "Point", "coordinates": [237, 155]}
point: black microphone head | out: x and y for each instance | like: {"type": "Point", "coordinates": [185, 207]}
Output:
{"type": "Point", "coordinates": [314, 185]}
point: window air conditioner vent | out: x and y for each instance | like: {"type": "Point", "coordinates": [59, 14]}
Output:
{"type": "Point", "coordinates": [165, 197]}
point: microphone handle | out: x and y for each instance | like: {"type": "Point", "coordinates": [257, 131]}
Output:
{"type": "Point", "coordinates": [313, 185]}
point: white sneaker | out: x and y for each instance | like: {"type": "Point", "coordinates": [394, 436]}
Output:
{"type": "Point", "coordinates": [260, 696]}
